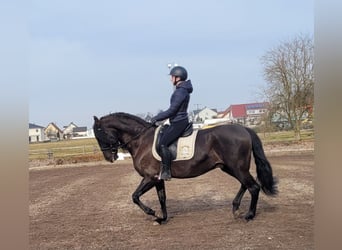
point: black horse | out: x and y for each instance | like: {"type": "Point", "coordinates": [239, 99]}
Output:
{"type": "Point", "coordinates": [228, 147]}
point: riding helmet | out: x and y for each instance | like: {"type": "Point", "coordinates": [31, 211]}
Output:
{"type": "Point", "coordinates": [180, 72]}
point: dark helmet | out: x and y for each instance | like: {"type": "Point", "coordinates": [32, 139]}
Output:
{"type": "Point", "coordinates": [179, 71]}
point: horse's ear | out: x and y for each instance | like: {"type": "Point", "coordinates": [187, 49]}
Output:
{"type": "Point", "coordinates": [97, 121]}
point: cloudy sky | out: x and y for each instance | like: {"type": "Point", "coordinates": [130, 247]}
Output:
{"type": "Point", "coordinates": [95, 57]}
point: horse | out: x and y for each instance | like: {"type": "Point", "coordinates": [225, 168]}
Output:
{"type": "Point", "coordinates": [228, 147]}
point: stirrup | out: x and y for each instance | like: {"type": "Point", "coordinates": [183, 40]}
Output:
{"type": "Point", "coordinates": [162, 176]}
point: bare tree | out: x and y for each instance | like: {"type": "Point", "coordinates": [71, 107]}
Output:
{"type": "Point", "coordinates": [288, 70]}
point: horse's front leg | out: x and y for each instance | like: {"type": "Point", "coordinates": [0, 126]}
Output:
{"type": "Point", "coordinates": [160, 186]}
{"type": "Point", "coordinates": [145, 185]}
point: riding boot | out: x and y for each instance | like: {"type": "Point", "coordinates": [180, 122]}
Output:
{"type": "Point", "coordinates": [165, 169]}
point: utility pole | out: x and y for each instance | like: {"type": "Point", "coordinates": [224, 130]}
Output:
{"type": "Point", "coordinates": [197, 105]}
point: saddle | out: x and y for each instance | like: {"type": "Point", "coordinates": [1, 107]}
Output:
{"type": "Point", "coordinates": [181, 149]}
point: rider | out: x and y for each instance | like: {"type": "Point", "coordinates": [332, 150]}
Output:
{"type": "Point", "coordinates": [178, 117]}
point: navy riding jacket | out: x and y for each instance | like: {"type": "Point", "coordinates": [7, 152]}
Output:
{"type": "Point", "coordinates": [178, 103]}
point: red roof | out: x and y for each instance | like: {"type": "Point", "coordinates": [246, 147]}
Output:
{"type": "Point", "coordinates": [238, 110]}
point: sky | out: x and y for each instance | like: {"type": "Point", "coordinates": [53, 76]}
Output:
{"type": "Point", "coordinates": [91, 58]}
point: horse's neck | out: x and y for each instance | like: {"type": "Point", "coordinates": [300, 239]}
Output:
{"type": "Point", "coordinates": [130, 127]}
{"type": "Point", "coordinates": [130, 140]}
{"type": "Point", "coordinates": [129, 133]}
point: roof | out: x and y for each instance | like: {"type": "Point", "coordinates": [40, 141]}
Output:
{"type": "Point", "coordinates": [70, 124]}
{"type": "Point", "coordinates": [33, 126]}
{"type": "Point", "coordinates": [223, 113]}
{"type": "Point", "coordinates": [207, 109]}
{"type": "Point", "coordinates": [238, 110]}
{"type": "Point", "coordinates": [79, 129]}
{"type": "Point", "coordinates": [257, 105]}
{"type": "Point", "coordinates": [55, 126]}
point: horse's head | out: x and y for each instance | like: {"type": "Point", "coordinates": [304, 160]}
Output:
{"type": "Point", "coordinates": [107, 139]}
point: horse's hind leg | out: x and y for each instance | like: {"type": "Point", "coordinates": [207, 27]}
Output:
{"type": "Point", "coordinates": [160, 186]}
{"type": "Point", "coordinates": [254, 190]}
{"type": "Point", "coordinates": [238, 198]}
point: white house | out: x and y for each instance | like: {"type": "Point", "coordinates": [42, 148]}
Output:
{"type": "Point", "coordinates": [53, 132]}
{"type": "Point", "coordinates": [90, 133]}
{"type": "Point", "coordinates": [68, 130]}
{"type": "Point", "coordinates": [36, 133]}
{"type": "Point", "coordinates": [205, 114]}
{"type": "Point", "coordinates": [79, 132]}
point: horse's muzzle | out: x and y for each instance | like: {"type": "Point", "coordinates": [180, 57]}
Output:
{"type": "Point", "coordinates": [110, 156]}
{"type": "Point", "coordinates": [114, 156]}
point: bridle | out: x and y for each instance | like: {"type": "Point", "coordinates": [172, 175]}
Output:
{"type": "Point", "coordinates": [111, 147]}
{"type": "Point", "coordinates": [118, 145]}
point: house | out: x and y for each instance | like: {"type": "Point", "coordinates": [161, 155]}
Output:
{"type": "Point", "coordinates": [148, 117]}
{"type": "Point", "coordinates": [204, 114]}
{"type": "Point", "coordinates": [79, 132]}
{"type": "Point", "coordinates": [248, 114]}
{"type": "Point", "coordinates": [68, 130]}
{"type": "Point", "coordinates": [235, 113]}
{"type": "Point", "coordinates": [82, 133]}
{"type": "Point", "coordinates": [90, 133]}
{"type": "Point", "coordinates": [53, 132]}
{"type": "Point", "coordinates": [36, 133]}
{"type": "Point", "coordinates": [255, 112]}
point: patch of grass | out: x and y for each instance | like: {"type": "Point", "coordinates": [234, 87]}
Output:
{"type": "Point", "coordinates": [64, 149]}
{"type": "Point", "coordinates": [63, 143]}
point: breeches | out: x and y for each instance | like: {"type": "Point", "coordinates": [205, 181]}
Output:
{"type": "Point", "coordinates": [173, 132]}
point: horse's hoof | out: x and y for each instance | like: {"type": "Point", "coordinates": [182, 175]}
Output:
{"type": "Point", "coordinates": [155, 223]}
{"type": "Point", "coordinates": [249, 216]}
{"type": "Point", "coordinates": [159, 221]}
{"type": "Point", "coordinates": [236, 214]}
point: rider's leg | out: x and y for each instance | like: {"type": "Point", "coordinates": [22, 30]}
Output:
{"type": "Point", "coordinates": [170, 134]}
{"type": "Point", "coordinates": [165, 173]}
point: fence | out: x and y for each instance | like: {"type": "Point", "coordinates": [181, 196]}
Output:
{"type": "Point", "coordinates": [62, 152]}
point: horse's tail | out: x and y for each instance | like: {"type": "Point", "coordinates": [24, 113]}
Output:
{"type": "Point", "coordinates": [263, 167]}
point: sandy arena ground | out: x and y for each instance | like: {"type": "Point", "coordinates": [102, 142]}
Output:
{"type": "Point", "coordinates": [89, 206]}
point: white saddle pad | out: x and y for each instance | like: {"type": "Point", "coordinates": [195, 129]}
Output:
{"type": "Point", "coordinates": [185, 146]}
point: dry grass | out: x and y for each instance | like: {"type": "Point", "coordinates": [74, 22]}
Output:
{"type": "Point", "coordinates": [70, 151]}
{"type": "Point", "coordinates": [285, 136]}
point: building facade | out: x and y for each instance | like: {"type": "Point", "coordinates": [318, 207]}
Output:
{"type": "Point", "coordinates": [36, 133]}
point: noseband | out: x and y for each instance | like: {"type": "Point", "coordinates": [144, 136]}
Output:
{"type": "Point", "coordinates": [111, 147]}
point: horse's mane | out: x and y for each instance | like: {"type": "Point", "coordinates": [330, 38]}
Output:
{"type": "Point", "coordinates": [126, 116]}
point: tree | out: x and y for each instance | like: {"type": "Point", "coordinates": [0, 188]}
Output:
{"type": "Point", "coordinates": [288, 71]}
